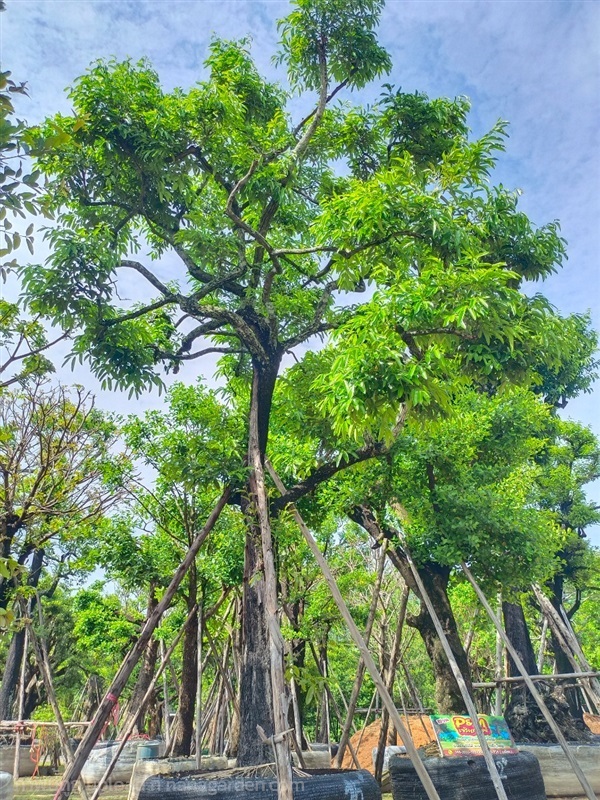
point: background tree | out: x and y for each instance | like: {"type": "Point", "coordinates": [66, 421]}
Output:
{"type": "Point", "coordinates": [191, 449]}
{"type": "Point", "coordinates": [55, 451]}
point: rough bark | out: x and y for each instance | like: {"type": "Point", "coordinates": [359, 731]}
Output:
{"type": "Point", "coordinates": [12, 668]}
{"type": "Point", "coordinates": [522, 712]}
{"type": "Point", "coordinates": [256, 707]}
{"type": "Point", "coordinates": [447, 693]}
{"type": "Point", "coordinates": [184, 721]}
{"type": "Point", "coordinates": [9, 527]}
{"type": "Point", "coordinates": [562, 661]}
{"type": "Point", "coordinates": [518, 632]}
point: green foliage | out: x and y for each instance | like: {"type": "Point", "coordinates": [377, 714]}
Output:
{"type": "Point", "coordinates": [54, 448]}
{"type": "Point", "coordinates": [24, 340]}
{"type": "Point", "coordinates": [339, 32]}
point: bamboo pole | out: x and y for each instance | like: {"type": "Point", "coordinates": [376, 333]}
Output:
{"type": "Point", "coordinates": [21, 708]}
{"type": "Point", "coordinates": [360, 672]}
{"type": "Point", "coordinates": [570, 645]}
{"type": "Point", "coordinates": [134, 718]}
{"type": "Point", "coordinates": [389, 682]}
{"type": "Point", "coordinates": [166, 710]}
{"type": "Point", "coordinates": [364, 650]}
{"type": "Point", "coordinates": [489, 759]}
{"type": "Point", "coordinates": [222, 668]}
{"type": "Point", "coordinates": [328, 694]}
{"type": "Point", "coordinates": [199, 676]}
{"type": "Point", "coordinates": [120, 680]}
{"type": "Point", "coordinates": [543, 678]}
{"type": "Point", "coordinates": [542, 650]}
{"type": "Point", "coordinates": [532, 688]}
{"type": "Point", "coordinates": [7, 725]}
{"type": "Point", "coordinates": [498, 673]}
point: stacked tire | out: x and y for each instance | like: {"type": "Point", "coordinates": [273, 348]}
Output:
{"type": "Point", "coordinates": [466, 778]}
{"type": "Point", "coordinates": [320, 785]}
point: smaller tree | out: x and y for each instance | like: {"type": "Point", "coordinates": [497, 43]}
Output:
{"type": "Point", "coordinates": [55, 452]}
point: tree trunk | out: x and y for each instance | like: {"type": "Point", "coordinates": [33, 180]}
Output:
{"type": "Point", "coordinates": [12, 668]}
{"type": "Point", "coordinates": [186, 712]}
{"type": "Point", "coordinates": [256, 703]}
{"type": "Point", "coordinates": [522, 712]}
{"type": "Point", "coordinates": [263, 691]}
{"type": "Point", "coordinates": [145, 676]}
{"type": "Point", "coordinates": [518, 633]}
{"type": "Point", "coordinates": [9, 527]}
{"type": "Point", "coordinates": [447, 693]}
{"type": "Point", "coordinates": [562, 661]}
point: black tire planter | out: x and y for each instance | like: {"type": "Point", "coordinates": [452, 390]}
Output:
{"type": "Point", "coordinates": [321, 785]}
{"type": "Point", "coordinates": [466, 778]}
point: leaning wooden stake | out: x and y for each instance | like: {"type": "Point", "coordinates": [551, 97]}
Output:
{"type": "Point", "coordinates": [280, 739]}
{"type": "Point", "coordinates": [200, 637]}
{"type": "Point", "coordinates": [41, 655]}
{"type": "Point", "coordinates": [134, 718]}
{"type": "Point", "coordinates": [166, 712]}
{"type": "Point", "coordinates": [364, 650]}
{"type": "Point", "coordinates": [487, 754]}
{"type": "Point", "coordinates": [542, 650]}
{"type": "Point", "coordinates": [570, 644]}
{"type": "Point", "coordinates": [21, 705]}
{"type": "Point", "coordinates": [95, 729]}
{"type": "Point", "coordinates": [532, 687]}
{"type": "Point", "coordinates": [360, 673]}
{"type": "Point", "coordinates": [499, 658]}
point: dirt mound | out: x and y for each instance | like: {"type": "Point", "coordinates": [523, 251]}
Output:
{"type": "Point", "coordinates": [593, 722]}
{"type": "Point", "coordinates": [420, 728]}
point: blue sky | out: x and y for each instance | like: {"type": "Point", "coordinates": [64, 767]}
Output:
{"type": "Point", "coordinates": [535, 64]}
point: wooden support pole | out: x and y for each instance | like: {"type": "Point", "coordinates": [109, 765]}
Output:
{"type": "Point", "coordinates": [360, 672]}
{"type": "Point", "coordinates": [21, 707]}
{"type": "Point", "coordinates": [569, 644]}
{"type": "Point", "coordinates": [41, 655]}
{"type": "Point", "coordinates": [489, 759]}
{"type": "Point", "coordinates": [364, 650]}
{"type": "Point", "coordinates": [328, 694]}
{"type": "Point", "coordinates": [134, 718]}
{"type": "Point", "coordinates": [166, 710]}
{"type": "Point", "coordinates": [542, 650]}
{"type": "Point", "coordinates": [532, 688]}
{"type": "Point", "coordinates": [199, 676]}
{"type": "Point", "coordinates": [543, 678]}
{"type": "Point", "coordinates": [120, 680]}
{"type": "Point", "coordinates": [499, 659]}
{"type": "Point", "coordinates": [389, 682]}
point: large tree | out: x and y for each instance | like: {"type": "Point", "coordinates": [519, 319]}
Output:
{"type": "Point", "coordinates": [261, 232]}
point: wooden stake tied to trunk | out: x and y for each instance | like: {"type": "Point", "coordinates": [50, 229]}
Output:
{"type": "Point", "coordinates": [364, 650]}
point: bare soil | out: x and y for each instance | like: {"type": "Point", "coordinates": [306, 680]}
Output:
{"type": "Point", "coordinates": [420, 728]}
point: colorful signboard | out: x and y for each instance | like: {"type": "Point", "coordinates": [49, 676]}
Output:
{"type": "Point", "coordinates": [456, 735]}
